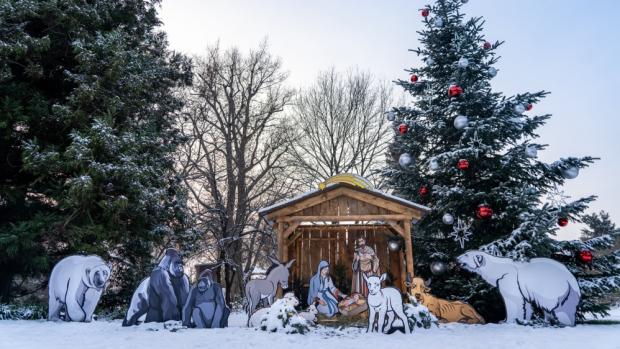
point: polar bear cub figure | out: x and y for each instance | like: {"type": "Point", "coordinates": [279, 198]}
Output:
{"type": "Point", "coordinates": [541, 282]}
{"type": "Point", "coordinates": [75, 285]}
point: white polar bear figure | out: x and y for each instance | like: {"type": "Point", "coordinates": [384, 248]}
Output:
{"type": "Point", "coordinates": [541, 282]}
{"type": "Point", "coordinates": [75, 285]}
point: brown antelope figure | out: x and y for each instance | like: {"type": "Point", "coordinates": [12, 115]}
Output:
{"type": "Point", "coordinates": [444, 310]}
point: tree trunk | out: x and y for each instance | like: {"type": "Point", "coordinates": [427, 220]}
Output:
{"type": "Point", "coordinates": [6, 279]}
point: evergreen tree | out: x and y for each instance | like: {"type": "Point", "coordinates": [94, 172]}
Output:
{"type": "Point", "coordinates": [469, 153]}
{"type": "Point", "coordinates": [597, 225]}
{"type": "Point", "coordinates": [86, 136]}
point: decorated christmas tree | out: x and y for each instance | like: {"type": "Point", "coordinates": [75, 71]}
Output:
{"type": "Point", "coordinates": [470, 154]}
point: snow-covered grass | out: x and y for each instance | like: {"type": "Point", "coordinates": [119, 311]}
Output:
{"type": "Point", "coordinates": [110, 334]}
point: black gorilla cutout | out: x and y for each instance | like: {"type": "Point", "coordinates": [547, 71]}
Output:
{"type": "Point", "coordinates": [205, 306]}
{"type": "Point", "coordinates": [162, 295]}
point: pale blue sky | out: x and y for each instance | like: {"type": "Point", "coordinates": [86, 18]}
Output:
{"type": "Point", "coordinates": [570, 48]}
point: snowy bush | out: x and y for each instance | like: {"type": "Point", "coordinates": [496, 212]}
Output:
{"type": "Point", "coordinates": [22, 312]}
{"type": "Point", "coordinates": [282, 317]}
{"type": "Point", "coordinates": [418, 315]}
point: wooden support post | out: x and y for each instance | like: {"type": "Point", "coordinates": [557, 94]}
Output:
{"type": "Point", "coordinates": [290, 230]}
{"type": "Point", "coordinates": [281, 242]}
{"type": "Point", "coordinates": [403, 271]}
{"type": "Point", "coordinates": [281, 252]}
{"type": "Point", "coordinates": [397, 228]}
{"type": "Point", "coordinates": [409, 247]}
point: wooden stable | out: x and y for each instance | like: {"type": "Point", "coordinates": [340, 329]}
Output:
{"type": "Point", "coordinates": [324, 224]}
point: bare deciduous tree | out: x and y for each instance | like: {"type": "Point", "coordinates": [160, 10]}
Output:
{"type": "Point", "coordinates": [340, 123]}
{"type": "Point", "coordinates": [233, 160]}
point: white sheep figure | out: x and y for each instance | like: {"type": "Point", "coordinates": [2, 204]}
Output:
{"type": "Point", "coordinates": [255, 319]}
{"type": "Point", "coordinates": [382, 302]}
{"type": "Point", "coordinates": [541, 282]}
{"type": "Point", "coordinates": [310, 314]}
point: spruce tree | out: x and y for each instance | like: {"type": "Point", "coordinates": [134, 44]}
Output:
{"type": "Point", "coordinates": [597, 224]}
{"type": "Point", "coordinates": [470, 154]}
{"type": "Point", "coordinates": [87, 111]}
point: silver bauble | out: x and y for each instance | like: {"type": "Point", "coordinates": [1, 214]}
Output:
{"type": "Point", "coordinates": [447, 219]}
{"type": "Point", "coordinates": [463, 62]}
{"type": "Point", "coordinates": [520, 108]}
{"type": "Point", "coordinates": [393, 245]}
{"type": "Point", "coordinates": [391, 116]}
{"type": "Point", "coordinates": [439, 22]}
{"type": "Point", "coordinates": [405, 160]}
{"type": "Point", "coordinates": [461, 121]}
{"type": "Point", "coordinates": [438, 267]}
{"type": "Point", "coordinates": [492, 72]}
{"type": "Point", "coordinates": [570, 173]}
{"type": "Point", "coordinates": [430, 61]}
{"type": "Point", "coordinates": [531, 151]}
{"type": "Point", "coordinates": [433, 165]}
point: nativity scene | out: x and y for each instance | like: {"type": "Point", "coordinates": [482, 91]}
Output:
{"type": "Point", "coordinates": [340, 235]}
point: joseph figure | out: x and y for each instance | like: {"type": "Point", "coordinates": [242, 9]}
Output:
{"type": "Point", "coordinates": [365, 261]}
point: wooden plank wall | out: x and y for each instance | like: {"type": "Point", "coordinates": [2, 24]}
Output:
{"type": "Point", "coordinates": [310, 245]}
{"type": "Point", "coordinates": [343, 206]}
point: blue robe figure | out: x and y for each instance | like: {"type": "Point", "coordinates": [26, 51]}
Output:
{"type": "Point", "coordinates": [323, 292]}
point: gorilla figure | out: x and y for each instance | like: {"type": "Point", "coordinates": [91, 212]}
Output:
{"type": "Point", "coordinates": [75, 286]}
{"type": "Point", "coordinates": [206, 305]}
{"type": "Point", "coordinates": [162, 295]}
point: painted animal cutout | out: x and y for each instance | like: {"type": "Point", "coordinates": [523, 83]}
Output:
{"type": "Point", "coordinates": [444, 310]}
{"type": "Point", "coordinates": [541, 282]}
{"type": "Point", "coordinates": [310, 314]}
{"type": "Point", "coordinates": [163, 294]}
{"type": "Point", "coordinates": [75, 287]}
{"type": "Point", "coordinates": [258, 289]}
{"type": "Point", "coordinates": [382, 303]}
{"type": "Point", "coordinates": [206, 307]}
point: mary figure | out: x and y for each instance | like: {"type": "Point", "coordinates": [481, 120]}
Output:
{"type": "Point", "coordinates": [323, 292]}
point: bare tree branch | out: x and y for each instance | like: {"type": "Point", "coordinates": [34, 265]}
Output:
{"type": "Point", "coordinates": [233, 162]}
{"type": "Point", "coordinates": [340, 127]}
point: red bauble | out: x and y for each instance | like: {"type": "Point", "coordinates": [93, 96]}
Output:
{"type": "Point", "coordinates": [455, 91]}
{"type": "Point", "coordinates": [484, 211]}
{"type": "Point", "coordinates": [585, 256]}
{"type": "Point", "coordinates": [529, 107]}
{"type": "Point", "coordinates": [413, 78]}
{"type": "Point", "coordinates": [487, 45]}
{"type": "Point", "coordinates": [463, 164]}
{"type": "Point", "coordinates": [402, 128]}
{"type": "Point", "coordinates": [423, 191]}
{"type": "Point", "coordinates": [425, 12]}
{"type": "Point", "coordinates": [562, 221]}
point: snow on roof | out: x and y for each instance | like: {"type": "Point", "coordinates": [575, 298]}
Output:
{"type": "Point", "coordinates": [265, 210]}
{"type": "Point", "coordinates": [400, 200]}
{"type": "Point", "coordinates": [278, 204]}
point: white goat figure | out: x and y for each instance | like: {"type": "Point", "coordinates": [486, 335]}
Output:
{"type": "Point", "coordinates": [382, 302]}
{"type": "Point", "coordinates": [310, 314]}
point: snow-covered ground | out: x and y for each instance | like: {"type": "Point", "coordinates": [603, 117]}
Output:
{"type": "Point", "coordinates": [110, 334]}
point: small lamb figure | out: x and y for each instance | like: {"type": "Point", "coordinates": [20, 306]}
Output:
{"type": "Point", "coordinates": [310, 314]}
{"type": "Point", "coordinates": [384, 301]}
